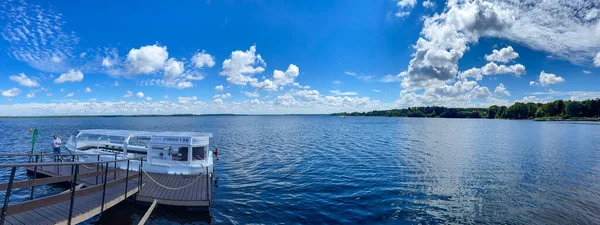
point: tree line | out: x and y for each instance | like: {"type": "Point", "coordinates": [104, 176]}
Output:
{"type": "Point", "coordinates": [557, 109]}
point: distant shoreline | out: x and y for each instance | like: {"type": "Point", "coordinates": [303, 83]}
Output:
{"type": "Point", "coordinates": [170, 115]}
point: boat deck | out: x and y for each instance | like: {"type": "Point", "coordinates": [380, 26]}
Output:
{"type": "Point", "coordinates": [168, 189]}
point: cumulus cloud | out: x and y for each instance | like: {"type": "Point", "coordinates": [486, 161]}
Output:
{"type": "Point", "coordinates": [173, 68]}
{"type": "Point", "coordinates": [360, 77]}
{"type": "Point", "coordinates": [30, 95]}
{"type": "Point", "coordinates": [587, 72]}
{"type": "Point", "coordinates": [70, 95]}
{"type": "Point", "coordinates": [280, 79]}
{"type": "Point", "coordinates": [223, 96]}
{"type": "Point", "coordinates": [218, 101]}
{"type": "Point", "coordinates": [338, 92]}
{"type": "Point", "coordinates": [494, 69]}
{"type": "Point", "coordinates": [533, 83]}
{"type": "Point", "coordinates": [504, 55]}
{"type": "Point", "coordinates": [429, 4]}
{"type": "Point", "coordinates": [597, 58]}
{"type": "Point", "coordinates": [184, 84]}
{"type": "Point", "coordinates": [148, 98]}
{"type": "Point", "coordinates": [116, 83]}
{"type": "Point", "coordinates": [241, 66]}
{"type": "Point", "coordinates": [252, 94]}
{"type": "Point", "coordinates": [88, 89]}
{"type": "Point", "coordinates": [203, 59]}
{"type": "Point", "coordinates": [128, 94]}
{"type": "Point", "coordinates": [547, 79]}
{"type": "Point", "coordinates": [71, 76]}
{"type": "Point", "coordinates": [23, 80]}
{"type": "Point", "coordinates": [404, 7]}
{"type": "Point", "coordinates": [219, 88]}
{"type": "Point", "coordinates": [445, 37]}
{"type": "Point", "coordinates": [147, 59]}
{"type": "Point", "coordinates": [308, 95]}
{"type": "Point", "coordinates": [13, 92]}
{"type": "Point", "coordinates": [187, 100]}
{"type": "Point", "coordinates": [501, 90]}
{"type": "Point", "coordinates": [139, 94]}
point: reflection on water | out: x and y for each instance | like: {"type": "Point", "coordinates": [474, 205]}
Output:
{"type": "Point", "coordinates": [321, 169]}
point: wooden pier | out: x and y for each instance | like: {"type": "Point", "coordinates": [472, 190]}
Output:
{"type": "Point", "coordinates": [103, 187]}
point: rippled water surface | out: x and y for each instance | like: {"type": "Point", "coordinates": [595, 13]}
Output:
{"type": "Point", "coordinates": [322, 169]}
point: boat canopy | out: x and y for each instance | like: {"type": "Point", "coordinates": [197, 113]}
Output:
{"type": "Point", "coordinates": [137, 140]}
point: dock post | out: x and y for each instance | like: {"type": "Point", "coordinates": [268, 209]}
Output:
{"type": "Point", "coordinates": [34, 176]}
{"type": "Point", "coordinates": [73, 189]}
{"type": "Point", "coordinates": [115, 177]}
{"type": "Point", "coordinates": [141, 174]}
{"type": "Point", "coordinates": [97, 168]}
{"type": "Point", "coordinates": [127, 179]}
{"type": "Point", "coordinates": [104, 188]}
{"type": "Point", "coordinates": [7, 197]}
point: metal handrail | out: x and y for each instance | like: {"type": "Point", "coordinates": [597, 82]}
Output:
{"type": "Point", "coordinates": [75, 175]}
{"type": "Point", "coordinates": [65, 163]}
{"type": "Point", "coordinates": [16, 155]}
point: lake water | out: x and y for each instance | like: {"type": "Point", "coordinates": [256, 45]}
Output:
{"type": "Point", "coordinates": [361, 170]}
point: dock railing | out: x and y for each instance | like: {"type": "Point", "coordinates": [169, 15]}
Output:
{"type": "Point", "coordinates": [73, 178]}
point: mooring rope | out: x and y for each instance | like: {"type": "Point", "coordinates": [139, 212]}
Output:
{"type": "Point", "coordinates": [167, 187]}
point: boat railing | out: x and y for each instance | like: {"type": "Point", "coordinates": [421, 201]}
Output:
{"type": "Point", "coordinates": [73, 179]}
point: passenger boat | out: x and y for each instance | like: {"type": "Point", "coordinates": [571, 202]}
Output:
{"type": "Point", "coordinates": [185, 153]}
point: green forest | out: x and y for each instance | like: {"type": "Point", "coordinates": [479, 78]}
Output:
{"type": "Point", "coordinates": [556, 110]}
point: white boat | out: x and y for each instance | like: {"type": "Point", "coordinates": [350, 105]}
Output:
{"type": "Point", "coordinates": [184, 153]}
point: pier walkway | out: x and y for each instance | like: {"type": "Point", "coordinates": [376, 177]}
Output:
{"type": "Point", "coordinates": [104, 187]}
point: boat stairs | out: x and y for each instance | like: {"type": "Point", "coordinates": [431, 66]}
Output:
{"type": "Point", "coordinates": [92, 188]}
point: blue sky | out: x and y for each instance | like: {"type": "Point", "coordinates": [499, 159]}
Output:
{"type": "Point", "coordinates": [110, 57]}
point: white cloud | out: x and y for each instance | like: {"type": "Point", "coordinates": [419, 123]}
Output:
{"type": "Point", "coordinates": [219, 88]}
{"type": "Point", "coordinates": [252, 94]}
{"type": "Point", "coordinates": [528, 99]}
{"type": "Point", "coordinates": [184, 84]}
{"type": "Point", "coordinates": [241, 66]}
{"type": "Point", "coordinates": [88, 89]}
{"type": "Point", "coordinates": [360, 77]}
{"type": "Point", "coordinates": [547, 79]}
{"type": "Point", "coordinates": [533, 83]}
{"type": "Point", "coordinates": [390, 79]}
{"type": "Point", "coordinates": [501, 90]}
{"type": "Point", "coordinates": [30, 95]}
{"type": "Point", "coordinates": [308, 95]}
{"type": "Point", "coordinates": [494, 69]}
{"type": "Point", "coordinates": [116, 83]}
{"type": "Point", "coordinates": [70, 95]}
{"type": "Point", "coordinates": [587, 72]}
{"type": "Point", "coordinates": [37, 36]}
{"type": "Point", "coordinates": [82, 55]}
{"type": "Point", "coordinates": [128, 94]}
{"type": "Point", "coordinates": [71, 76]}
{"type": "Point", "coordinates": [471, 73]}
{"type": "Point", "coordinates": [337, 82]}
{"type": "Point", "coordinates": [203, 59]}
{"type": "Point", "coordinates": [23, 80]}
{"type": "Point", "coordinates": [218, 101]}
{"type": "Point", "coordinates": [148, 99]}
{"type": "Point", "coordinates": [376, 90]}
{"type": "Point", "coordinates": [567, 29]}
{"type": "Point", "coordinates": [108, 62]}
{"type": "Point", "coordinates": [13, 92]}
{"type": "Point", "coordinates": [445, 38]}
{"type": "Point", "coordinates": [146, 59]}
{"type": "Point", "coordinates": [139, 94]}
{"type": "Point", "coordinates": [49, 94]}
{"type": "Point", "coordinates": [62, 90]}
{"type": "Point", "coordinates": [429, 4]}
{"type": "Point", "coordinates": [404, 7]}
{"type": "Point", "coordinates": [280, 79]}
{"type": "Point", "coordinates": [597, 58]}
{"type": "Point", "coordinates": [187, 100]}
{"type": "Point", "coordinates": [173, 69]}
{"type": "Point", "coordinates": [338, 92]}
{"type": "Point", "coordinates": [504, 55]}
{"type": "Point", "coordinates": [223, 96]}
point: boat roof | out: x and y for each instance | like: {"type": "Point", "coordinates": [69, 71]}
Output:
{"type": "Point", "coordinates": [128, 133]}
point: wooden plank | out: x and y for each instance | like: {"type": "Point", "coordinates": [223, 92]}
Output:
{"type": "Point", "coordinates": [199, 203]}
{"type": "Point", "coordinates": [147, 214]}
{"type": "Point", "coordinates": [36, 203]}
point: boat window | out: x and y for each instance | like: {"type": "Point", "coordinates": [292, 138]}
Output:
{"type": "Point", "coordinates": [180, 154]}
{"type": "Point", "coordinates": [198, 153]}
{"type": "Point", "coordinates": [139, 140]}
